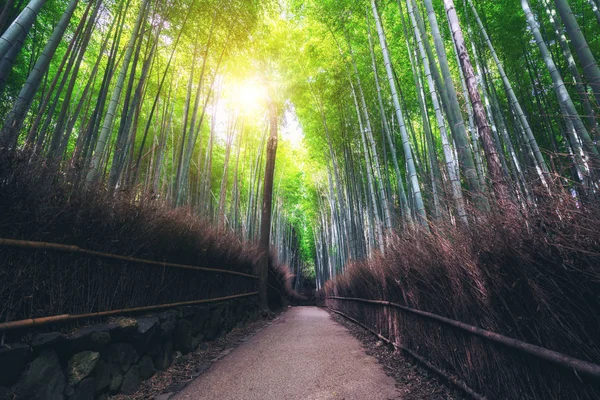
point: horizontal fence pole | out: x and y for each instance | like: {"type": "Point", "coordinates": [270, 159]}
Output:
{"type": "Point", "coordinates": [78, 250]}
{"type": "Point", "coordinates": [584, 367]}
{"type": "Point", "coordinates": [34, 322]}
{"type": "Point", "coordinates": [455, 381]}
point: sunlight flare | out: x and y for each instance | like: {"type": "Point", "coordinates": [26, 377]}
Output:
{"type": "Point", "coordinates": [249, 96]}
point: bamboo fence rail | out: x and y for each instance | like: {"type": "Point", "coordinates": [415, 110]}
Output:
{"type": "Point", "coordinates": [78, 250]}
{"type": "Point", "coordinates": [580, 366]}
{"type": "Point", "coordinates": [34, 322]}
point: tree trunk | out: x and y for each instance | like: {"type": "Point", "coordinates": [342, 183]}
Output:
{"type": "Point", "coordinates": [564, 99]}
{"type": "Point", "coordinates": [8, 60]}
{"type": "Point", "coordinates": [590, 67]}
{"type": "Point", "coordinates": [592, 123]}
{"type": "Point", "coordinates": [107, 125]}
{"type": "Point", "coordinates": [267, 205]}
{"type": "Point", "coordinates": [54, 149]}
{"type": "Point", "coordinates": [136, 167]}
{"type": "Point", "coordinates": [485, 133]}
{"type": "Point", "coordinates": [512, 97]}
{"type": "Point", "coordinates": [369, 136]}
{"type": "Point", "coordinates": [20, 26]}
{"type": "Point", "coordinates": [15, 118]}
{"type": "Point", "coordinates": [457, 123]}
{"type": "Point", "coordinates": [595, 9]}
{"type": "Point", "coordinates": [412, 172]}
{"type": "Point", "coordinates": [450, 161]}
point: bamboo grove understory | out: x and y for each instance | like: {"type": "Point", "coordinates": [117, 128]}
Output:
{"type": "Point", "coordinates": [412, 113]}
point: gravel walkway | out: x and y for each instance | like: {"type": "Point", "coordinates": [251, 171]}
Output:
{"type": "Point", "coordinates": [303, 355]}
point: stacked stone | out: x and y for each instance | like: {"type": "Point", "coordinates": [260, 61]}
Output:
{"type": "Point", "coordinates": [112, 358]}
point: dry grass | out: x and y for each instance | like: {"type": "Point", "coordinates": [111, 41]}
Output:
{"type": "Point", "coordinates": [534, 278]}
{"type": "Point", "coordinates": [40, 205]}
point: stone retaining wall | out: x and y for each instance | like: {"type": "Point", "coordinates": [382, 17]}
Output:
{"type": "Point", "coordinates": [114, 357]}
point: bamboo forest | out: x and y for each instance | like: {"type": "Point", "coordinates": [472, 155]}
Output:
{"type": "Point", "coordinates": [428, 170]}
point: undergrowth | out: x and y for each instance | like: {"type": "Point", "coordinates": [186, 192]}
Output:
{"type": "Point", "coordinates": [38, 204]}
{"type": "Point", "coordinates": [535, 278]}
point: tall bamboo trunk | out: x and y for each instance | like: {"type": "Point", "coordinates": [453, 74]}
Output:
{"type": "Point", "coordinates": [588, 62]}
{"type": "Point", "coordinates": [267, 205]}
{"type": "Point", "coordinates": [450, 161]}
{"type": "Point", "coordinates": [373, 148]}
{"type": "Point", "coordinates": [512, 97]}
{"type": "Point", "coordinates": [457, 123]}
{"type": "Point", "coordinates": [371, 184]}
{"type": "Point", "coordinates": [16, 116]}
{"type": "Point", "coordinates": [408, 154]}
{"type": "Point", "coordinates": [564, 99]}
{"type": "Point", "coordinates": [485, 133]}
{"type": "Point", "coordinates": [111, 112]}
{"type": "Point", "coordinates": [20, 25]}
{"type": "Point", "coordinates": [592, 123]}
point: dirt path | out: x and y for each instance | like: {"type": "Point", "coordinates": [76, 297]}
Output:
{"type": "Point", "coordinates": [304, 355]}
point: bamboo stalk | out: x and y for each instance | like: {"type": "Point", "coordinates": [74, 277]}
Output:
{"type": "Point", "coordinates": [585, 367]}
{"type": "Point", "coordinates": [76, 249]}
{"type": "Point", "coordinates": [34, 322]}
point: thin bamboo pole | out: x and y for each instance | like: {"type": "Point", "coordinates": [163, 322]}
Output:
{"type": "Point", "coordinates": [34, 322]}
{"type": "Point", "coordinates": [78, 250]}
{"type": "Point", "coordinates": [584, 367]}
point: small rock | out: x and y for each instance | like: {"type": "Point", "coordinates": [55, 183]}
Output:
{"type": "Point", "coordinates": [122, 354]}
{"type": "Point", "coordinates": [168, 320]}
{"type": "Point", "coordinates": [164, 358]}
{"type": "Point", "coordinates": [115, 384]}
{"type": "Point", "coordinates": [146, 324]}
{"type": "Point", "coordinates": [42, 379]}
{"type": "Point", "coordinates": [199, 319]}
{"type": "Point", "coordinates": [131, 380]}
{"type": "Point", "coordinates": [179, 359]}
{"type": "Point", "coordinates": [86, 390]}
{"type": "Point", "coordinates": [146, 367]}
{"type": "Point", "coordinates": [81, 365]}
{"type": "Point", "coordinates": [188, 311]}
{"type": "Point", "coordinates": [154, 347]}
{"type": "Point", "coordinates": [87, 332]}
{"type": "Point", "coordinates": [214, 324]}
{"type": "Point", "coordinates": [12, 360]}
{"type": "Point", "coordinates": [184, 340]}
{"type": "Point", "coordinates": [91, 338]}
{"type": "Point", "coordinates": [44, 340]}
{"type": "Point", "coordinates": [222, 354]}
{"type": "Point", "coordinates": [126, 322]}
{"type": "Point", "coordinates": [146, 332]}
{"type": "Point", "coordinates": [200, 370]}
{"type": "Point", "coordinates": [125, 330]}
{"type": "Point", "coordinates": [104, 373]}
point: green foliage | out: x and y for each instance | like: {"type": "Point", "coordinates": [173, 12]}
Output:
{"type": "Point", "coordinates": [296, 54]}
